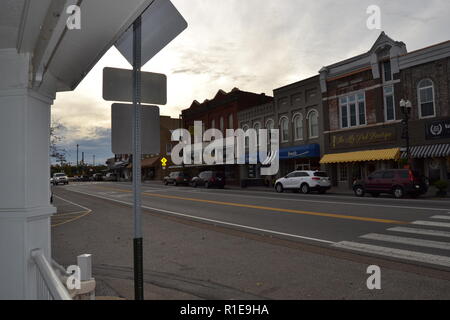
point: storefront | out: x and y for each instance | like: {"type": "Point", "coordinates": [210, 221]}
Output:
{"type": "Point", "coordinates": [304, 157]}
{"type": "Point", "coordinates": [433, 161]}
{"type": "Point", "coordinates": [350, 166]}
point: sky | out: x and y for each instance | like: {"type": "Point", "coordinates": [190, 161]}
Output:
{"type": "Point", "coordinates": [255, 45]}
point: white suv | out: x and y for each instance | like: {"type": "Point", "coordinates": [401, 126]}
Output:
{"type": "Point", "coordinates": [60, 178]}
{"type": "Point", "coordinates": [304, 181]}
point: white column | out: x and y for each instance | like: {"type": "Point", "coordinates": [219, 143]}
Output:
{"type": "Point", "coordinates": [25, 208]}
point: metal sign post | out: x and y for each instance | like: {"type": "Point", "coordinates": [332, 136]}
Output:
{"type": "Point", "coordinates": [137, 214]}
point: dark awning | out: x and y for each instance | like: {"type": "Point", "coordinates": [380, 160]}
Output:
{"type": "Point", "coordinates": [430, 151]}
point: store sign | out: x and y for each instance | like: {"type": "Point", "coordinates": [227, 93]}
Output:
{"type": "Point", "coordinates": [347, 140]}
{"type": "Point", "coordinates": [438, 130]}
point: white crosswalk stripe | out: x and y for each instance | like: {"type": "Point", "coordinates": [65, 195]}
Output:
{"type": "Point", "coordinates": [436, 233]}
{"type": "Point", "coordinates": [415, 243]}
{"type": "Point", "coordinates": [432, 224]}
{"type": "Point", "coordinates": [395, 253]}
{"type": "Point", "coordinates": [441, 217]}
{"type": "Point", "coordinates": [408, 241]}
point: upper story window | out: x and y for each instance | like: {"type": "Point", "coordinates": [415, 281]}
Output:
{"type": "Point", "coordinates": [245, 128]}
{"type": "Point", "coordinates": [222, 124]}
{"type": "Point", "coordinates": [313, 121]}
{"type": "Point", "coordinates": [387, 71]}
{"type": "Point", "coordinates": [298, 126]}
{"type": "Point", "coordinates": [213, 124]}
{"type": "Point", "coordinates": [353, 110]}
{"type": "Point", "coordinates": [284, 128]}
{"type": "Point", "coordinates": [230, 122]}
{"type": "Point", "coordinates": [426, 99]}
{"type": "Point", "coordinates": [389, 103]}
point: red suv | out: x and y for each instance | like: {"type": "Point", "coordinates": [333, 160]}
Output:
{"type": "Point", "coordinates": [396, 182]}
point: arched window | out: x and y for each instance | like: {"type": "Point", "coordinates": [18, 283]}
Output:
{"type": "Point", "coordinates": [257, 126]}
{"type": "Point", "coordinates": [270, 124]}
{"type": "Point", "coordinates": [284, 128]}
{"type": "Point", "coordinates": [427, 107]}
{"type": "Point", "coordinates": [313, 121]}
{"type": "Point", "coordinates": [245, 128]}
{"type": "Point", "coordinates": [298, 126]}
{"type": "Point", "coordinates": [213, 124]}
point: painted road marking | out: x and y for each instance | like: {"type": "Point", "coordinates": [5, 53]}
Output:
{"type": "Point", "coordinates": [79, 214]}
{"type": "Point", "coordinates": [395, 253]}
{"type": "Point", "coordinates": [432, 224]}
{"type": "Point", "coordinates": [248, 206]}
{"type": "Point", "coordinates": [408, 241]}
{"type": "Point", "coordinates": [441, 217]}
{"type": "Point", "coordinates": [209, 220]}
{"type": "Point", "coordinates": [296, 200]}
{"type": "Point", "coordinates": [427, 232]}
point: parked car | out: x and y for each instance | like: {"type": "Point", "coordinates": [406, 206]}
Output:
{"type": "Point", "coordinates": [97, 177]}
{"type": "Point", "coordinates": [209, 179]}
{"type": "Point", "coordinates": [398, 182]}
{"type": "Point", "coordinates": [110, 177]}
{"type": "Point", "coordinates": [304, 181]}
{"type": "Point", "coordinates": [177, 178]}
{"type": "Point", "coordinates": [85, 178]}
{"type": "Point", "coordinates": [60, 178]}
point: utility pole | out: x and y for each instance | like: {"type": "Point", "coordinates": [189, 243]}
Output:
{"type": "Point", "coordinates": [137, 154]}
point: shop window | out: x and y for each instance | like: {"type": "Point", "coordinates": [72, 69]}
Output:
{"type": "Point", "coordinates": [426, 99]}
{"type": "Point", "coordinates": [343, 172]}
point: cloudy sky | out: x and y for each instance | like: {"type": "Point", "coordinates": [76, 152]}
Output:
{"type": "Point", "coordinates": [255, 45]}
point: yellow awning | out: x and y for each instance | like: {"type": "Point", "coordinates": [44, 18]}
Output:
{"type": "Point", "coordinates": [360, 156]}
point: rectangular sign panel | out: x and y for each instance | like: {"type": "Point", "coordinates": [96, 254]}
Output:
{"type": "Point", "coordinates": [161, 23]}
{"type": "Point", "coordinates": [122, 132]}
{"type": "Point", "coordinates": [118, 86]}
{"type": "Point", "coordinates": [438, 129]}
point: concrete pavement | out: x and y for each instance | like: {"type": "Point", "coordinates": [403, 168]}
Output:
{"type": "Point", "coordinates": [227, 247]}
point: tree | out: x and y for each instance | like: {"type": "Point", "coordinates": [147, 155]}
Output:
{"type": "Point", "coordinates": [56, 138]}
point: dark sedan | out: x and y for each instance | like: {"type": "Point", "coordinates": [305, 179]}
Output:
{"type": "Point", "coordinates": [209, 179]}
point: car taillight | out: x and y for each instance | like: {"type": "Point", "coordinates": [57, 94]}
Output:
{"type": "Point", "coordinates": [315, 178]}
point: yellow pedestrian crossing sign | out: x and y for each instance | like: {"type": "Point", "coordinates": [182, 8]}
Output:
{"type": "Point", "coordinates": [164, 162]}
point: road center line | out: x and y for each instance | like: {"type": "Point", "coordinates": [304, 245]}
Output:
{"type": "Point", "coordinates": [241, 205]}
{"type": "Point", "coordinates": [209, 220]}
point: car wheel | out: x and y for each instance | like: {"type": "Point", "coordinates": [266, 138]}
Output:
{"type": "Point", "coordinates": [166, 183]}
{"type": "Point", "coordinates": [279, 188]}
{"type": "Point", "coordinates": [359, 191]}
{"type": "Point", "coordinates": [398, 192]}
{"type": "Point", "coordinates": [194, 184]}
{"type": "Point", "coordinates": [305, 188]}
{"type": "Point", "coordinates": [175, 184]}
{"type": "Point", "coordinates": [207, 186]}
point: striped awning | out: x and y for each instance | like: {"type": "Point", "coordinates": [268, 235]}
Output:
{"type": "Point", "coordinates": [430, 151]}
{"type": "Point", "coordinates": [361, 156]}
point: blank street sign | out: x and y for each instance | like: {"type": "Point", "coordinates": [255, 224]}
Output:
{"type": "Point", "coordinates": [121, 132]}
{"type": "Point", "coordinates": [161, 23]}
{"type": "Point", "coordinates": [118, 86]}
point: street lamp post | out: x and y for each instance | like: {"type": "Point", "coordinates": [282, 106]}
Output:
{"type": "Point", "coordinates": [406, 107]}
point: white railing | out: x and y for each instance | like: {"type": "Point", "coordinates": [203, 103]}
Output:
{"type": "Point", "coordinates": [49, 286]}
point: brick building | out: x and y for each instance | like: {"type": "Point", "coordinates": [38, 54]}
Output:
{"type": "Point", "coordinates": [425, 79]}
{"type": "Point", "coordinates": [221, 113]}
{"type": "Point", "coordinates": [363, 126]}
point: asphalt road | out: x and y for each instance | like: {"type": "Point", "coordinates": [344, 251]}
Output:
{"type": "Point", "coordinates": [251, 244]}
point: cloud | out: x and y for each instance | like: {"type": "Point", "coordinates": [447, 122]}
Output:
{"type": "Point", "coordinates": [255, 45]}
